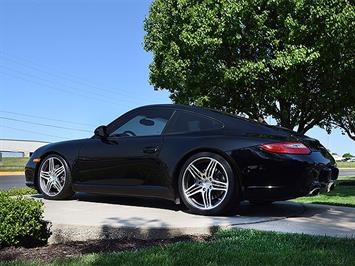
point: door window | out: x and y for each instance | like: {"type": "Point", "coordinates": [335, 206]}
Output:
{"type": "Point", "coordinates": [144, 123]}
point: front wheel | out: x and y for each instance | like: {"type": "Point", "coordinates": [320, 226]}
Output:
{"type": "Point", "coordinates": [207, 185]}
{"type": "Point", "coordinates": [54, 178]}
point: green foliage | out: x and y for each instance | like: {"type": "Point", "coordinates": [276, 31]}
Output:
{"type": "Point", "coordinates": [20, 191]}
{"type": "Point", "coordinates": [347, 155]}
{"type": "Point", "coordinates": [345, 119]}
{"type": "Point", "coordinates": [289, 59]}
{"type": "Point", "coordinates": [21, 222]}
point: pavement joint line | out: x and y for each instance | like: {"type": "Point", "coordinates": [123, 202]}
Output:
{"type": "Point", "coordinates": [273, 219]}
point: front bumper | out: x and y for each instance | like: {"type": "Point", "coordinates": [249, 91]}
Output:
{"type": "Point", "coordinates": [30, 174]}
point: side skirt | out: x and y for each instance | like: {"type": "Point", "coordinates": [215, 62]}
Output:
{"type": "Point", "coordinates": [134, 191]}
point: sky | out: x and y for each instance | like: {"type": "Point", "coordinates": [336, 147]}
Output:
{"type": "Point", "coordinates": [77, 64]}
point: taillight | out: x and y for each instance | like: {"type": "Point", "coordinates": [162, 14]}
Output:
{"type": "Point", "coordinates": [286, 148]}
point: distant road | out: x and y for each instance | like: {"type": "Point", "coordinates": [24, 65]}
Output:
{"type": "Point", "coordinates": [17, 181]}
{"type": "Point", "coordinates": [347, 172]}
{"type": "Point", "coordinates": [11, 181]}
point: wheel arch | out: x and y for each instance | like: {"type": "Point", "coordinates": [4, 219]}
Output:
{"type": "Point", "coordinates": [183, 159]}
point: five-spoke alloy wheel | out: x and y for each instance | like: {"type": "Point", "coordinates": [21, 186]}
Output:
{"type": "Point", "coordinates": [54, 178]}
{"type": "Point", "coordinates": [207, 184]}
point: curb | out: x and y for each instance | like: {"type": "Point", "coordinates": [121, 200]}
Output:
{"type": "Point", "coordinates": [12, 173]}
{"type": "Point", "coordinates": [64, 233]}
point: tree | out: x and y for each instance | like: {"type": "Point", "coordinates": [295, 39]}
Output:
{"type": "Point", "coordinates": [289, 59]}
{"type": "Point", "coordinates": [347, 155]}
{"type": "Point", "coordinates": [346, 121]}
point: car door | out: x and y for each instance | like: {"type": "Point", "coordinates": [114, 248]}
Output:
{"type": "Point", "coordinates": [129, 155]}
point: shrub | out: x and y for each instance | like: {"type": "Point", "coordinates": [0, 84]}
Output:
{"type": "Point", "coordinates": [20, 191]}
{"type": "Point", "coordinates": [21, 222]}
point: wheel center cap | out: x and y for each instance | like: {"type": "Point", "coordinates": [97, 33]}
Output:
{"type": "Point", "coordinates": [206, 184]}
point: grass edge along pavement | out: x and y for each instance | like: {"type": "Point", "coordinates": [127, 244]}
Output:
{"type": "Point", "coordinates": [227, 247]}
{"type": "Point", "coordinates": [342, 195]}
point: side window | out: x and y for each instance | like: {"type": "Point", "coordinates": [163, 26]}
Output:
{"type": "Point", "coordinates": [189, 122]}
{"type": "Point", "coordinates": [145, 123]}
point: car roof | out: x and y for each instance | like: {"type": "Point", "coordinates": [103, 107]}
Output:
{"type": "Point", "coordinates": [219, 115]}
{"type": "Point", "coordinates": [230, 121]}
{"type": "Point", "coordinates": [227, 119]}
{"type": "Point", "coordinates": [192, 108]}
{"type": "Point", "coordinates": [175, 106]}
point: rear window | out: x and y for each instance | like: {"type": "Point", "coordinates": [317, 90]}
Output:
{"type": "Point", "coordinates": [184, 121]}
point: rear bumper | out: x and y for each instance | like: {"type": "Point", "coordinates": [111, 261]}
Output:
{"type": "Point", "coordinates": [274, 193]}
{"type": "Point", "coordinates": [269, 177]}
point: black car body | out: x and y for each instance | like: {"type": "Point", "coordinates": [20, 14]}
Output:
{"type": "Point", "coordinates": [149, 165]}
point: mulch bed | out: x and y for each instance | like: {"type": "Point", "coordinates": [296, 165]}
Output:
{"type": "Point", "coordinates": [71, 249]}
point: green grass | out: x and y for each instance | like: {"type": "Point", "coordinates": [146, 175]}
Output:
{"type": "Point", "coordinates": [230, 247]}
{"type": "Point", "coordinates": [13, 164]}
{"type": "Point", "coordinates": [342, 195]}
{"type": "Point", "coordinates": [346, 164]}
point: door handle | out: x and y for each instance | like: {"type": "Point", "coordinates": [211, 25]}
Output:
{"type": "Point", "coordinates": [151, 150]}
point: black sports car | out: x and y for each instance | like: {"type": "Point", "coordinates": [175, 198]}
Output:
{"type": "Point", "coordinates": [207, 159]}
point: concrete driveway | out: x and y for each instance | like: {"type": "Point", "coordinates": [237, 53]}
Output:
{"type": "Point", "coordinates": [92, 217]}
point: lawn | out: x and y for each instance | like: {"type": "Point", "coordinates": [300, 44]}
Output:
{"type": "Point", "coordinates": [346, 164]}
{"type": "Point", "coordinates": [229, 247]}
{"type": "Point", "coordinates": [13, 164]}
{"type": "Point", "coordinates": [342, 195]}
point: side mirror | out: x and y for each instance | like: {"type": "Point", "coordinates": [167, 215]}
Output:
{"type": "Point", "coordinates": [101, 132]}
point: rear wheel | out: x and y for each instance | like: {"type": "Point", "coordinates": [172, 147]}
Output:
{"type": "Point", "coordinates": [54, 179]}
{"type": "Point", "coordinates": [207, 185]}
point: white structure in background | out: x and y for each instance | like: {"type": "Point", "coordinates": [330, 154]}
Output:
{"type": "Point", "coordinates": [338, 158]}
{"type": "Point", "coordinates": [26, 147]}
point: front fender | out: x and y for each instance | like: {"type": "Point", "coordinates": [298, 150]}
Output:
{"type": "Point", "coordinates": [68, 150]}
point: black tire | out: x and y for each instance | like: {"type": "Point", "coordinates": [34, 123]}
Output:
{"type": "Point", "coordinates": [66, 191]}
{"type": "Point", "coordinates": [226, 206]}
